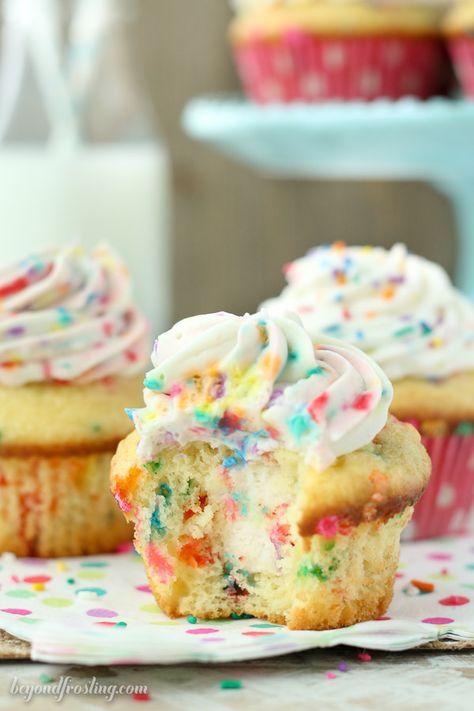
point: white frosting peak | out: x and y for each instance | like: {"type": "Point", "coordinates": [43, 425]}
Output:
{"type": "Point", "coordinates": [399, 308]}
{"type": "Point", "coordinates": [256, 383]}
{"type": "Point", "coordinates": [67, 315]}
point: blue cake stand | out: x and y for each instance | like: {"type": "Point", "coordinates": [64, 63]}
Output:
{"type": "Point", "coordinates": [407, 139]}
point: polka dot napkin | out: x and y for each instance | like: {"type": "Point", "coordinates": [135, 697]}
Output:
{"type": "Point", "coordinates": [100, 611]}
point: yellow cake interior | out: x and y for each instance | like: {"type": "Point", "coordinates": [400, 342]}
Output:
{"type": "Point", "coordinates": [274, 538]}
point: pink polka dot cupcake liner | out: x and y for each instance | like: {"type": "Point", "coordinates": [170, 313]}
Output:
{"type": "Point", "coordinates": [299, 66]}
{"type": "Point", "coordinates": [447, 506]}
{"type": "Point", "coordinates": [462, 53]}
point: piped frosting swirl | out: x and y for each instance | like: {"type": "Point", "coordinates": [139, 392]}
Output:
{"type": "Point", "coordinates": [67, 316]}
{"type": "Point", "coordinates": [256, 383]}
{"type": "Point", "coordinates": [399, 308]}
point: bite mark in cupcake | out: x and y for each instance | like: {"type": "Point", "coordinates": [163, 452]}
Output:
{"type": "Point", "coordinates": [283, 471]}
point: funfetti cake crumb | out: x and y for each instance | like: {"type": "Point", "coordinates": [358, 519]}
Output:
{"type": "Point", "coordinates": [263, 477]}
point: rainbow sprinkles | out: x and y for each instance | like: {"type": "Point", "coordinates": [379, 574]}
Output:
{"type": "Point", "coordinates": [264, 478]}
{"type": "Point", "coordinates": [254, 383]}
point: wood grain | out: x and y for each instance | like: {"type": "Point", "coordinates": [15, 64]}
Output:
{"type": "Point", "coordinates": [13, 648]}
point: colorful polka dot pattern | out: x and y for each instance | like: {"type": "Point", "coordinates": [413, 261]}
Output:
{"type": "Point", "coordinates": [118, 621]}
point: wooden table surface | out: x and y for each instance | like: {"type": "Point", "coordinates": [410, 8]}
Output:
{"type": "Point", "coordinates": [418, 680]}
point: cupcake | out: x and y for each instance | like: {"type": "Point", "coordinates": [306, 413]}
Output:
{"type": "Point", "coordinates": [459, 29]}
{"type": "Point", "coordinates": [403, 311]}
{"type": "Point", "coordinates": [263, 477]}
{"type": "Point", "coordinates": [72, 351]}
{"type": "Point", "coordinates": [323, 50]}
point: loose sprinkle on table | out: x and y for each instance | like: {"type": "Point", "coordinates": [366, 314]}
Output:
{"type": "Point", "coordinates": [45, 678]}
{"type": "Point", "coordinates": [364, 657]}
{"type": "Point", "coordinates": [192, 620]}
{"type": "Point", "coordinates": [422, 586]}
{"type": "Point", "coordinates": [231, 684]}
{"type": "Point", "coordinates": [141, 696]}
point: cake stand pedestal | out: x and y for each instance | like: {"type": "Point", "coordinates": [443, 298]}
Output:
{"type": "Point", "coordinates": [408, 139]}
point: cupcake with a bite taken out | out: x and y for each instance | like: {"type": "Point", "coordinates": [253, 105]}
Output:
{"type": "Point", "coordinates": [264, 478]}
{"type": "Point", "coordinates": [404, 312]}
{"type": "Point", "coordinates": [72, 351]}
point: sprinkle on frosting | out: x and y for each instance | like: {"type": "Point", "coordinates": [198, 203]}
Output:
{"type": "Point", "coordinates": [67, 316]}
{"type": "Point", "coordinates": [399, 308]}
{"type": "Point", "coordinates": [256, 383]}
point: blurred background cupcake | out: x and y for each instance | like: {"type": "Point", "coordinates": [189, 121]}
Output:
{"type": "Point", "coordinates": [459, 30]}
{"type": "Point", "coordinates": [319, 50]}
{"type": "Point", "coordinates": [403, 311]}
{"type": "Point", "coordinates": [72, 351]}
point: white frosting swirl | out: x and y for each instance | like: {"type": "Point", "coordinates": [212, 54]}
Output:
{"type": "Point", "coordinates": [256, 383]}
{"type": "Point", "coordinates": [399, 308]}
{"type": "Point", "coordinates": [68, 316]}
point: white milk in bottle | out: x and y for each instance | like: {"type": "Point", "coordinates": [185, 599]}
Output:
{"type": "Point", "coordinates": [99, 175]}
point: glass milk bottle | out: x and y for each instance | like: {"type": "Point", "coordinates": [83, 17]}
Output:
{"type": "Point", "coordinates": [96, 173]}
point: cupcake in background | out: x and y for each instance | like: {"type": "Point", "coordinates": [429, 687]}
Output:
{"type": "Point", "coordinates": [458, 27]}
{"type": "Point", "coordinates": [72, 351]}
{"type": "Point", "coordinates": [403, 311]}
{"type": "Point", "coordinates": [322, 50]}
